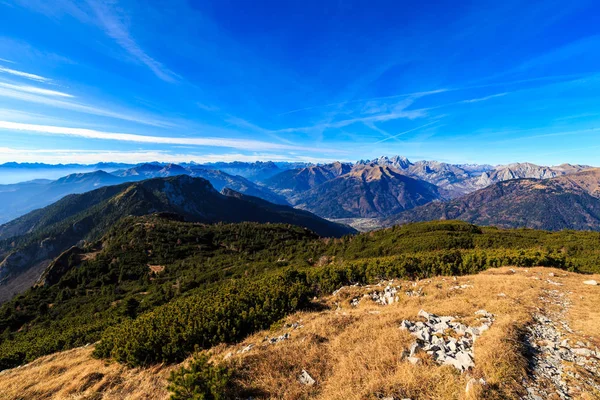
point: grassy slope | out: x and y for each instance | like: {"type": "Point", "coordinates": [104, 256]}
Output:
{"type": "Point", "coordinates": [353, 353]}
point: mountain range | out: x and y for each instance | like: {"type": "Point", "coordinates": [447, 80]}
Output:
{"type": "Point", "coordinates": [563, 202]}
{"type": "Point", "coordinates": [377, 191]}
{"type": "Point", "coordinates": [20, 198]}
{"type": "Point", "coordinates": [29, 243]}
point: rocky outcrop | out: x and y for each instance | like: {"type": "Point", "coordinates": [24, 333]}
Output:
{"type": "Point", "coordinates": [449, 342]}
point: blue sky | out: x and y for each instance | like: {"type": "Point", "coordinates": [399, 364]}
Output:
{"type": "Point", "coordinates": [459, 81]}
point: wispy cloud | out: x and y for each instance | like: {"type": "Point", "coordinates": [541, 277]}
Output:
{"type": "Point", "coordinates": [246, 125]}
{"type": "Point", "coordinates": [35, 90]}
{"type": "Point", "coordinates": [366, 100]}
{"type": "Point", "coordinates": [207, 107]}
{"type": "Point", "coordinates": [397, 111]}
{"type": "Point", "coordinates": [113, 25]}
{"type": "Point", "coordinates": [405, 132]}
{"type": "Point", "coordinates": [70, 105]}
{"type": "Point", "coordinates": [479, 99]}
{"type": "Point", "coordinates": [6, 61]}
{"type": "Point", "coordinates": [242, 144]}
{"type": "Point", "coordinates": [550, 134]}
{"type": "Point", "coordinates": [22, 74]}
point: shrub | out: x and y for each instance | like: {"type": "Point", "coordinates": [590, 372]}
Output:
{"type": "Point", "coordinates": [225, 314]}
{"type": "Point", "coordinates": [201, 380]}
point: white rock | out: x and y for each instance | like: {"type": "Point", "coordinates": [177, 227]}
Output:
{"type": "Point", "coordinates": [590, 282]}
{"type": "Point", "coordinates": [474, 382]}
{"type": "Point", "coordinates": [247, 348]}
{"type": "Point", "coordinates": [464, 361]}
{"type": "Point", "coordinates": [413, 349]}
{"type": "Point", "coordinates": [406, 325]}
{"type": "Point", "coordinates": [583, 352]}
{"type": "Point", "coordinates": [306, 379]}
{"type": "Point", "coordinates": [414, 360]}
{"type": "Point", "coordinates": [424, 314]}
{"type": "Point", "coordinates": [452, 346]}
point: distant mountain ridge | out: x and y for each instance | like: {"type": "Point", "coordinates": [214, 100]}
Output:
{"type": "Point", "coordinates": [562, 202]}
{"type": "Point", "coordinates": [455, 180]}
{"type": "Point", "coordinates": [290, 183]}
{"type": "Point", "coordinates": [18, 199]}
{"type": "Point", "coordinates": [293, 181]}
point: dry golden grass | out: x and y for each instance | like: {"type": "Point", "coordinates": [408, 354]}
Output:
{"type": "Point", "coordinates": [352, 353]}
{"type": "Point", "coordinates": [74, 374]}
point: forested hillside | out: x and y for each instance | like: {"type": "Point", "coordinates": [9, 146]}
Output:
{"type": "Point", "coordinates": [29, 243]}
{"type": "Point", "coordinates": [154, 288]}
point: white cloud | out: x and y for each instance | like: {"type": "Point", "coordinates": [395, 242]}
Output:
{"type": "Point", "coordinates": [35, 90]}
{"type": "Point", "coordinates": [69, 105]}
{"type": "Point", "coordinates": [22, 74]}
{"type": "Point", "coordinates": [367, 100]}
{"type": "Point", "coordinates": [242, 144]}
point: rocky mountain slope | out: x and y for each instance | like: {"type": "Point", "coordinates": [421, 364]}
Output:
{"type": "Point", "coordinates": [564, 202]}
{"type": "Point", "coordinates": [295, 181]}
{"type": "Point", "coordinates": [366, 191]}
{"type": "Point", "coordinates": [455, 180]}
{"type": "Point", "coordinates": [29, 243]}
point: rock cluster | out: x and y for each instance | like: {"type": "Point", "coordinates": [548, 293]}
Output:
{"type": "Point", "coordinates": [417, 293]}
{"type": "Point", "coordinates": [447, 341]}
{"type": "Point", "coordinates": [278, 339]}
{"type": "Point", "coordinates": [550, 352]}
{"type": "Point", "coordinates": [388, 296]}
{"type": "Point", "coordinates": [457, 287]}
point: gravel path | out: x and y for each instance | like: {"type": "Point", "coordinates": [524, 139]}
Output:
{"type": "Point", "coordinates": [561, 364]}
